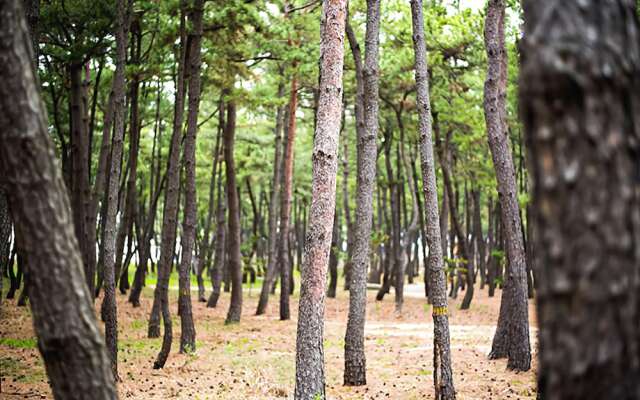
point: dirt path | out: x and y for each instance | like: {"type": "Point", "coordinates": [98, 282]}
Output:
{"type": "Point", "coordinates": [256, 359]}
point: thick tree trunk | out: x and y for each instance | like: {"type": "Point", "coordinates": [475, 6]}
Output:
{"type": "Point", "coordinates": [69, 339]}
{"type": "Point", "coordinates": [188, 240]}
{"type": "Point", "coordinates": [269, 279]}
{"type": "Point", "coordinates": [310, 382]}
{"type": "Point", "coordinates": [443, 375]}
{"type": "Point", "coordinates": [367, 131]}
{"type": "Point", "coordinates": [285, 265]}
{"type": "Point", "coordinates": [584, 156]}
{"type": "Point", "coordinates": [233, 241]}
{"type": "Point", "coordinates": [512, 332]}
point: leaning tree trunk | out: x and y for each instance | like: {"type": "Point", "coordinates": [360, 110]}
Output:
{"type": "Point", "coordinates": [443, 375]}
{"type": "Point", "coordinates": [171, 205]}
{"type": "Point", "coordinates": [69, 339]}
{"type": "Point", "coordinates": [187, 328]}
{"type": "Point", "coordinates": [354, 355]}
{"type": "Point", "coordinates": [512, 334]}
{"type": "Point", "coordinates": [233, 239]}
{"type": "Point", "coordinates": [584, 153]}
{"type": "Point", "coordinates": [310, 383]}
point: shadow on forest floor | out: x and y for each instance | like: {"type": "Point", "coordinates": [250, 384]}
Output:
{"type": "Point", "coordinates": [256, 358]}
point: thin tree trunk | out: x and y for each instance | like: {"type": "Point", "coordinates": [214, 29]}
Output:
{"type": "Point", "coordinates": [69, 339]}
{"type": "Point", "coordinates": [219, 257]}
{"type": "Point", "coordinates": [267, 283]}
{"type": "Point", "coordinates": [333, 257]}
{"type": "Point", "coordinates": [443, 375]}
{"type": "Point", "coordinates": [367, 77]}
{"type": "Point", "coordinates": [310, 382]}
{"type": "Point", "coordinates": [512, 334]}
{"type": "Point", "coordinates": [233, 241]}
{"type": "Point", "coordinates": [285, 207]}
{"type": "Point", "coordinates": [583, 150]}
{"type": "Point", "coordinates": [109, 302]}
{"type": "Point", "coordinates": [130, 209]}
{"type": "Point", "coordinates": [171, 206]}
{"type": "Point", "coordinates": [188, 240]}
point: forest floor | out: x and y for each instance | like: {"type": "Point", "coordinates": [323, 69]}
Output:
{"type": "Point", "coordinates": [256, 358]}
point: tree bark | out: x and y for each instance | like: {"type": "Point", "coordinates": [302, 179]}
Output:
{"type": "Point", "coordinates": [584, 157]}
{"type": "Point", "coordinates": [443, 375]}
{"type": "Point", "coordinates": [233, 241]}
{"type": "Point", "coordinates": [512, 332]}
{"type": "Point", "coordinates": [367, 131]}
{"type": "Point", "coordinates": [285, 207]}
{"type": "Point", "coordinates": [109, 302]}
{"type": "Point", "coordinates": [171, 206]}
{"type": "Point", "coordinates": [187, 327]}
{"type": "Point", "coordinates": [219, 257]}
{"type": "Point", "coordinates": [69, 339]}
{"type": "Point", "coordinates": [310, 382]}
{"type": "Point", "coordinates": [267, 283]}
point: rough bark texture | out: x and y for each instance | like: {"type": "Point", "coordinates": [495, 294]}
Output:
{"type": "Point", "coordinates": [443, 375]}
{"type": "Point", "coordinates": [584, 154]}
{"type": "Point", "coordinates": [79, 162]}
{"type": "Point", "coordinates": [285, 207]}
{"type": "Point", "coordinates": [310, 383]}
{"type": "Point", "coordinates": [354, 355]}
{"type": "Point", "coordinates": [109, 303]}
{"type": "Point", "coordinates": [273, 211]}
{"type": "Point", "coordinates": [512, 333]}
{"type": "Point", "coordinates": [233, 241]}
{"type": "Point", "coordinates": [187, 328]}
{"type": "Point", "coordinates": [170, 216]}
{"type": "Point", "coordinates": [69, 339]}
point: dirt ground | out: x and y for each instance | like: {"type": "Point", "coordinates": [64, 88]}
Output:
{"type": "Point", "coordinates": [256, 358]}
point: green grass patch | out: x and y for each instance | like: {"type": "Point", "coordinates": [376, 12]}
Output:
{"type": "Point", "coordinates": [29, 343]}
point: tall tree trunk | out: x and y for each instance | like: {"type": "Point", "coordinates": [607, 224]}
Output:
{"type": "Point", "coordinates": [477, 228]}
{"type": "Point", "coordinates": [219, 257]}
{"type": "Point", "coordinates": [269, 279]}
{"type": "Point", "coordinates": [69, 339]}
{"type": "Point", "coordinates": [586, 195]}
{"type": "Point", "coordinates": [109, 302]}
{"type": "Point", "coordinates": [233, 241]}
{"type": "Point", "coordinates": [443, 375]}
{"type": "Point", "coordinates": [367, 131]}
{"type": "Point", "coordinates": [285, 207]}
{"type": "Point", "coordinates": [79, 164]}
{"type": "Point", "coordinates": [171, 206]}
{"type": "Point", "coordinates": [512, 335]}
{"type": "Point", "coordinates": [130, 208]}
{"type": "Point", "coordinates": [310, 381]}
{"type": "Point", "coordinates": [188, 240]}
